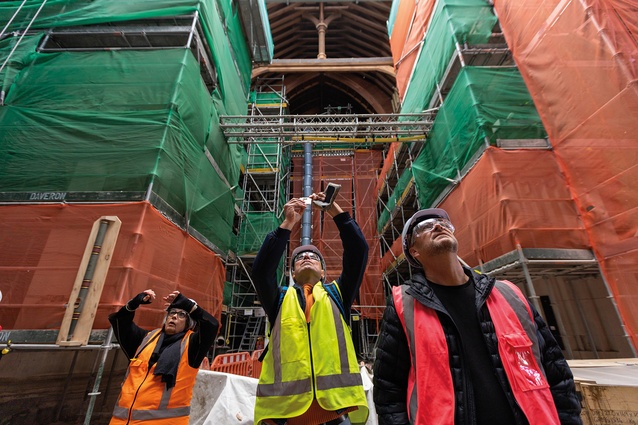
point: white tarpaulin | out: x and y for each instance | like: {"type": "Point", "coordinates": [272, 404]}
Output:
{"type": "Point", "coordinates": [224, 399]}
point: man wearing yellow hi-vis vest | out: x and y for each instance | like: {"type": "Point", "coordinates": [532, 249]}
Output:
{"type": "Point", "coordinates": [310, 373]}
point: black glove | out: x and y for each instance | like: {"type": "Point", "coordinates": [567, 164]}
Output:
{"type": "Point", "coordinates": [139, 299]}
{"type": "Point", "coordinates": [182, 303]}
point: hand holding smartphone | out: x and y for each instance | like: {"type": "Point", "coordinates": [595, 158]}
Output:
{"type": "Point", "coordinates": [331, 194]}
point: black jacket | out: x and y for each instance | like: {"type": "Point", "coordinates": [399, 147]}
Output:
{"type": "Point", "coordinates": [130, 336]}
{"type": "Point", "coordinates": [392, 363]}
{"type": "Point", "coordinates": [355, 257]}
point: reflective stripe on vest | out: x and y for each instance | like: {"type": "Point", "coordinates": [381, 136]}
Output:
{"type": "Point", "coordinates": [518, 350]}
{"type": "Point", "coordinates": [428, 351]}
{"type": "Point", "coordinates": [518, 347]}
{"type": "Point", "coordinates": [152, 400]}
{"type": "Point", "coordinates": [285, 388]}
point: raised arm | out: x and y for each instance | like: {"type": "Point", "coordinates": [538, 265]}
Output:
{"type": "Point", "coordinates": [355, 254]}
{"type": "Point", "coordinates": [127, 333]}
{"type": "Point", "coordinates": [205, 332]}
{"type": "Point", "coordinates": [264, 270]}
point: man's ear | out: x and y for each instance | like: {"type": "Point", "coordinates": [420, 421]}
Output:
{"type": "Point", "coordinates": [414, 253]}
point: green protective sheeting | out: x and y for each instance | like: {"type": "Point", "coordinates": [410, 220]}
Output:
{"type": "Point", "coordinates": [484, 104]}
{"type": "Point", "coordinates": [394, 199]}
{"type": "Point", "coordinates": [124, 120]}
{"type": "Point", "coordinates": [462, 21]}
{"type": "Point", "coordinates": [240, 51]}
{"type": "Point", "coordinates": [254, 228]}
{"type": "Point", "coordinates": [223, 31]}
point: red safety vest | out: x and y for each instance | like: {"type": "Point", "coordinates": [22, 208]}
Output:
{"type": "Point", "coordinates": [430, 392]}
{"type": "Point", "coordinates": [144, 396]}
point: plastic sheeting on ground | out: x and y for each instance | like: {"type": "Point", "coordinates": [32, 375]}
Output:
{"type": "Point", "coordinates": [221, 398]}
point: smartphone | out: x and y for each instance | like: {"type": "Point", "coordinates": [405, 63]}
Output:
{"type": "Point", "coordinates": [331, 194]}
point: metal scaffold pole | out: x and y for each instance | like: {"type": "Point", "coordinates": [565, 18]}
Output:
{"type": "Point", "coordinates": [306, 223]}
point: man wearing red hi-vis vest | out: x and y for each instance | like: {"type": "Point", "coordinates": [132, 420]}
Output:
{"type": "Point", "coordinates": [457, 347]}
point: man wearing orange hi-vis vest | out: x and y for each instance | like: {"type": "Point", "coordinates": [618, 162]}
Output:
{"type": "Point", "coordinates": [457, 347]}
{"type": "Point", "coordinates": [310, 374]}
{"type": "Point", "coordinates": [163, 363]}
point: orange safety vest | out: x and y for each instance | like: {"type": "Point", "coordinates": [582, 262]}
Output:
{"type": "Point", "coordinates": [430, 392]}
{"type": "Point", "coordinates": [144, 398]}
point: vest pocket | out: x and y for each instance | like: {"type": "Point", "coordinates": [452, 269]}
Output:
{"type": "Point", "coordinates": [519, 361]}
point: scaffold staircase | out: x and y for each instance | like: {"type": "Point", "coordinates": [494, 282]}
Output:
{"type": "Point", "coordinates": [252, 332]}
{"type": "Point", "coordinates": [264, 187]}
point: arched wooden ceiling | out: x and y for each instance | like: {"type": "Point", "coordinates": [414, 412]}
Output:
{"type": "Point", "coordinates": [357, 68]}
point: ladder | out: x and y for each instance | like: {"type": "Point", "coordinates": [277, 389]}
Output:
{"type": "Point", "coordinates": [251, 333]}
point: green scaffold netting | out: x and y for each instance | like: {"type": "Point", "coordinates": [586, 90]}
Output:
{"type": "Point", "coordinates": [124, 120]}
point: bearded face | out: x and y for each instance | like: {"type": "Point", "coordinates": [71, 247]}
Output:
{"type": "Point", "coordinates": [435, 240]}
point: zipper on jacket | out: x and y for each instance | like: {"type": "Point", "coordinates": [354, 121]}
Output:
{"type": "Point", "coordinates": [469, 401]}
{"type": "Point", "coordinates": [468, 398]}
{"type": "Point", "coordinates": [130, 411]}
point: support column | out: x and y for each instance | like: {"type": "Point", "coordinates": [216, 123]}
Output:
{"type": "Point", "coordinates": [322, 25]}
{"type": "Point", "coordinates": [306, 220]}
{"type": "Point", "coordinates": [321, 28]}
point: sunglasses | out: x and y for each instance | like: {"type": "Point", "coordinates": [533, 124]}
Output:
{"type": "Point", "coordinates": [428, 225]}
{"type": "Point", "coordinates": [179, 313]}
{"type": "Point", "coordinates": [310, 255]}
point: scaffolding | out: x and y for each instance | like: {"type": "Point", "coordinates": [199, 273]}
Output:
{"type": "Point", "coordinates": [401, 188]}
{"type": "Point", "coordinates": [489, 162]}
{"type": "Point", "coordinates": [111, 110]}
{"type": "Point", "coordinates": [264, 181]}
{"type": "Point", "coordinates": [360, 130]}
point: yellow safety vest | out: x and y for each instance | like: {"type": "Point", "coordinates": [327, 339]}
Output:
{"type": "Point", "coordinates": [306, 361]}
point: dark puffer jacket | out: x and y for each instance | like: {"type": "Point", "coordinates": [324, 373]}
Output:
{"type": "Point", "coordinates": [392, 363]}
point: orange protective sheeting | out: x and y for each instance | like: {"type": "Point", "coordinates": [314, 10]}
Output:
{"type": "Point", "coordinates": [387, 164]}
{"type": "Point", "coordinates": [360, 201]}
{"type": "Point", "coordinates": [405, 63]}
{"type": "Point", "coordinates": [324, 232]}
{"type": "Point", "coordinates": [401, 27]}
{"type": "Point", "coordinates": [392, 254]}
{"type": "Point", "coordinates": [41, 247]}
{"type": "Point", "coordinates": [371, 295]}
{"type": "Point", "coordinates": [513, 197]}
{"type": "Point", "coordinates": [580, 63]}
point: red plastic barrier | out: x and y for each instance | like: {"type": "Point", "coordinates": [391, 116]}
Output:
{"type": "Point", "coordinates": [235, 363]}
{"type": "Point", "coordinates": [256, 364]}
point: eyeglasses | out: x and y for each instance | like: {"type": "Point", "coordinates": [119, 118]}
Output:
{"type": "Point", "coordinates": [426, 226]}
{"type": "Point", "coordinates": [179, 313]}
{"type": "Point", "coordinates": [307, 254]}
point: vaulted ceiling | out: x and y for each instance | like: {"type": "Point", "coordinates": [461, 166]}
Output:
{"type": "Point", "coordinates": [354, 68]}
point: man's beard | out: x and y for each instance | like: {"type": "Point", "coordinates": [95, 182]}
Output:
{"type": "Point", "coordinates": [444, 246]}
